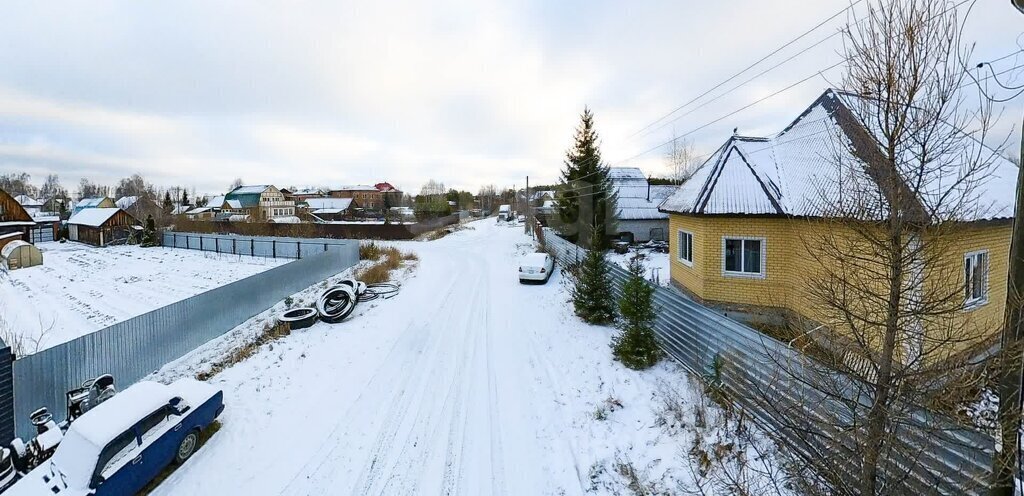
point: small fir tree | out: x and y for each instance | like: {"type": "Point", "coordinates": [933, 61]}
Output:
{"type": "Point", "coordinates": [149, 233]}
{"type": "Point", "coordinates": [184, 198]}
{"type": "Point", "coordinates": [168, 203]}
{"type": "Point", "coordinates": [636, 347]}
{"type": "Point", "coordinates": [592, 296]}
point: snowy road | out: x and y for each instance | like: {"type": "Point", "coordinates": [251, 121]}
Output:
{"type": "Point", "coordinates": [465, 383]}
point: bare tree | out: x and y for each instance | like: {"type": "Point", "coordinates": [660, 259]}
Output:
{"type": "Point", "coordinates": [134, 185]}
{"type": "Point", "coordinates": [884, 278]}
{"type": "Point", "coordinates": [682, 160]}
{"type": "Point", "coordinates": [18, 183]}
{"type": "Point", "coordinates": [89, 189]}
{"type": "Point", "coordinates": [237, 183]}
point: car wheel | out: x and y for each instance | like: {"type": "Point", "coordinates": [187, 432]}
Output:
{"type": "Point", "coordinates": [186, 447]}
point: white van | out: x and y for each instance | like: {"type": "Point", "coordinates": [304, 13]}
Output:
{"type": "Point", "coordinates": [505, 213]}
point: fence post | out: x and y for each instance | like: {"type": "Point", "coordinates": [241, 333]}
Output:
{"type": "Point", "coordinates": [325, 246]}
{"type": "Point", "coordinates": [298, 250]}
{"type": "Point", "coordinates": [252, 247]}
{"type": "Point", "coordinates": [234, 246]}
{"type": "Point", "coordinates": [273, 248]}
{"type": "Point", "coordinates": [174, 236]}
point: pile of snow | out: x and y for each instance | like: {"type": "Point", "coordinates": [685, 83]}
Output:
{"type": "Point", "coordinates": [81, 289]}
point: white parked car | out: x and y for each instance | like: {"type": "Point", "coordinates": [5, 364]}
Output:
{"type": "Point", "coordinates": [536, 267]}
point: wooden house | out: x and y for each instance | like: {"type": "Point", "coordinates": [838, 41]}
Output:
{"type": "Point", "coordinates": [15, 222]}
{"type": "Point", "coordinates": [103, 226]}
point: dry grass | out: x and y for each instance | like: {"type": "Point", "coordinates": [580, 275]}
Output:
{"type": "Point", "coordinates": [388, 259]}
{"type": "Point", "coordinates": [370, 251]}
{"type": "Point", "coordinates": [270, 333]}
{"type": "Point", "coordinates": [374, 274]}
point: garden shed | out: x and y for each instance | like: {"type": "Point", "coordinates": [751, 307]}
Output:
{"type": "Point", "coordinates": [102, 226]}
{"type": "Point", "coordinates": [19, 254]}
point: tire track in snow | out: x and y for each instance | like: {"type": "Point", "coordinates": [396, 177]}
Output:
{"type": "Point", "coordinates": [386, 373]}
{"type": "Point", "coordinates": [412, 460]}
{"type": "Point", "coordinates": [395, 420]}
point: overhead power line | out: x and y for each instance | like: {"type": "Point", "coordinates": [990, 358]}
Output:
{"type": "Point", "coordinates": [751, 66]}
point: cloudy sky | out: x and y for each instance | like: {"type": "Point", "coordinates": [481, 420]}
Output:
{"type": "Point", "coordinates": [318, 92]}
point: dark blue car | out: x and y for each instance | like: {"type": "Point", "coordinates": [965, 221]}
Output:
{"type": "Point", "coordinates": [124, 443]}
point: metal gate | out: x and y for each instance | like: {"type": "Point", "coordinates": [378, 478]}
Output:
{"type": "Point", "coordinates": [41, 233]}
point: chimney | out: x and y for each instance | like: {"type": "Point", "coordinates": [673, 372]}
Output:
{"type": "Point", "coordinates": [648, 188]}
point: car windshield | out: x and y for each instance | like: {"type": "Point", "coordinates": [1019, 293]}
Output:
{"type": "Point", "coordinates": [76, 459]}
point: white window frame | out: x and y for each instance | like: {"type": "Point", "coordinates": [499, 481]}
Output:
{"type": "Point", "coordinates": [969, 302]}
{"type": "Point", "coordinates": [764, 257]}
{"type": "Point", "coordinates": [679, 248]}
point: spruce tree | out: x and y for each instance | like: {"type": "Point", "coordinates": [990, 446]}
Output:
{"type": "Point", "coordinates": [149, 233]}
{"type": "Point", "coordinates": [168, 204]}
{"type": "Point", "coordinates": [635, 346]}
{"type": "Point", "coordinates": [592, 297]}
{"type": "Point", "coordinates": [586, 198]}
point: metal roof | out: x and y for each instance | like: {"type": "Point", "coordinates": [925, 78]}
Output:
{"type": "Point", "coordinates": [810, 169]}
{"type": "Point", "coordinates": [329, 203]}
{"type": "Point", "coordinates": [93, 217]}
{"type": "Point", "coordinates": [637, 200]}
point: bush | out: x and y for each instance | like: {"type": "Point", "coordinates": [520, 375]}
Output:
{"type": "Point", "coordinates": [636, 347]}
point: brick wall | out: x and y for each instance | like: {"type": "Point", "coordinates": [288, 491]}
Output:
{"type": "Point", "coordinates": [793, 264]}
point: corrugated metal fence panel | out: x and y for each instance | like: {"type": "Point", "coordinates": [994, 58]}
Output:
{"type": "Point", "coordinates": [258, 246]}
{"type": "Point", "coordinates": [6, 395]}
{"type": "Point", "coordinates": [139, 346]}
{"type": "Point", "coordinates": [954, 461]}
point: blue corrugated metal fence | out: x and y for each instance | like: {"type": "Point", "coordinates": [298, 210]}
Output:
{"type": "Point", "coordinates": [132, 349]}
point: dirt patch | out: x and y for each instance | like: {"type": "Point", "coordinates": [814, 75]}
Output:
{"type": "Point", "coordinates": [271, 332]}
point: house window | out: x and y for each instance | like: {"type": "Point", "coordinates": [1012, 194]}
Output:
{"type": "Point", "coordinates": [685, 254]}
{"type": "Point", "coordinates": [976, 278]}
{"type": "Point", "coordinates": [743, 256]}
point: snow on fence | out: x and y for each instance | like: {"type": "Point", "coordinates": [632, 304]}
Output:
{"type": "Point", "coordinates": [134, 348]}
{"type": "Point", "coordinates": [760, 374]}
{"type": "Point", "coordinates": [256, 246]}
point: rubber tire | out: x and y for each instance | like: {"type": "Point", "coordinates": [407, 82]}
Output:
{"type": "Point", "coordinates": [193, 435]}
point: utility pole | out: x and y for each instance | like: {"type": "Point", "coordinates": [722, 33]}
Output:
{"type": "Point", "coordinates": [526, 198]}
{"type": "Point", "coordinates": [1011, 364]}
{"type": "Point", "coordinates": [1011, 361]}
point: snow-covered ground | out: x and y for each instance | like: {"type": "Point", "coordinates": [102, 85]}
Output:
{"type": "Point", "coordinates": [80, 289]}
{"type": "Point", "coordinates": [466, 382]}
{"type": "Point", "coordinates": [656, 264]}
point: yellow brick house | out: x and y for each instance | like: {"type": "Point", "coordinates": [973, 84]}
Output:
{"type": "Point", "coordinates": [746, 230]}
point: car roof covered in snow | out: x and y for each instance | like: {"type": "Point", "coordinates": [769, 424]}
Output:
{"type": "Point", "coordinates": [94, 217]}
{"type": "Point", "coordinates": [534, 260]}
{"type": "Point", "coordinates": [116, 415]}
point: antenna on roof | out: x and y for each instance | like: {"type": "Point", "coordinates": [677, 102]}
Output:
{"type": "Point", "coordinates": [735, 131]}
{"type": "Point", "coordinates": [648, 187]}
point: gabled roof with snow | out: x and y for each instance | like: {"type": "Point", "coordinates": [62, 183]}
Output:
{"type": "Point", "coordinates": [199, 210]}
{"type": "Point", "coordinates": [93, 217]}
{"type": "Point", "coordinates": [180, 209]}
{"type": "Point", "coordinates": [636, 199]}
{"type": "Point", "coordinates": [126, 202]}
{"type": "Point", "coordinates": [356, 187]}
{"type": "Point", "coordinates": [215, 202]}
{"type": "Point", "coordinates": [249, 190]}
{"type": "Point", "coordinates": [339, 204]}
{"type": "Point", "coordinates": [90, 202]}
{"type": "Point", "coordinates": [233, 204]}
{"type": "Point", "coordinates": [28, 201]}
{"type": "Point", "coordinates": [825, 162]}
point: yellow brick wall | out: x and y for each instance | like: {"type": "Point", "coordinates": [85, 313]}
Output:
{"type": "Point", "coordinates": [706, 278]}
{"type": "Point", "coordinates": [790, 269]}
